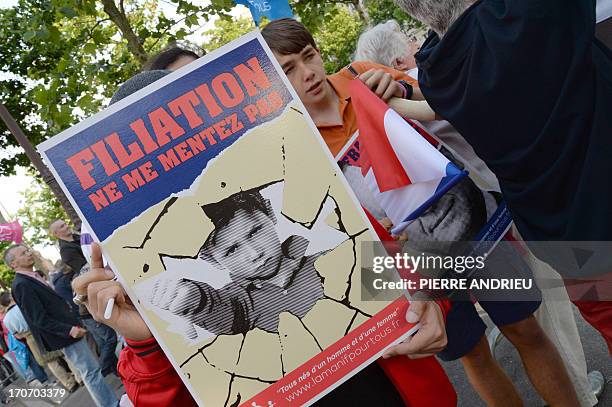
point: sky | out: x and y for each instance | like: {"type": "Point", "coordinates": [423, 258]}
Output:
{"type": "Point", "coordinates": [7, 3]}
{"type": "Point", "coordinates": [11, 188]}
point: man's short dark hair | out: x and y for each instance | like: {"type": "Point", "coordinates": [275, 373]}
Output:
{"type": "Point", "coordinates": [167, 57]}
{"type": "Point", "coordinates": [222, 212]}
{"type": "Point", "coordinates": [5, 299]}
{"type": "Point", "coordinates": [287, 36]}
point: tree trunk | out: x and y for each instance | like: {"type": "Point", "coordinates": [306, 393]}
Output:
{"type": "Point", "coordinates": [363, 14]}
{"type": "Point", "coordinates": [119, 18]}
{"type": "Point", "coordinates": [44, 172]}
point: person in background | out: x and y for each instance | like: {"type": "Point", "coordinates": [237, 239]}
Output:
{"type": "Point", "coordinates": [52, 323]}
{"type": "Point", "coordinates": [556, 317]}
{"type": "Point", "coordinates": [104, 337]}
{"type": "Point", "coordinates": [170, 59]}
{"type": "Point", "coordinates": [17, 325]}
{"type": "Point", "coordinates": [34, 373]}
{"type": "Point", "coordinates": [69, 244]}
{"type": "Point", "coordinates": [72, 256]}
{"type": "Point", "coordinates": [388, 45]}
{"type": "Point", "coordinates": [328, 102]}
{"type": "Point", "coordinates": [6, 370]}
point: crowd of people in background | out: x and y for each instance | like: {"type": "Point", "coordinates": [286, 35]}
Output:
{"type": "Point", "coordinates": [48, 323]}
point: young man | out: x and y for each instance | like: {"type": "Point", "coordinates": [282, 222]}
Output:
{"type": "Point", "coordinates": [52, 323]}
{"type": "Point", "coordinates": [268, 276]}
{"type": "Point", "coordinates": [328, 102]}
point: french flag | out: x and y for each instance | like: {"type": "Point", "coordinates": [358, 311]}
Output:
{"type": "Point", "coordinates": [405, 173]}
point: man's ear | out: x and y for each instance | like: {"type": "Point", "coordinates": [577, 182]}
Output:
{"type": "Point", "coordinates": [399, 64]}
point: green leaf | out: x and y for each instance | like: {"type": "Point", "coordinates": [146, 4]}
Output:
{"type": "Point", "coordinates": [180, 34]}
{"type": "Point", "coordinates": [40, 95]}
{"type": "Point", "coordinates": [90, 48]}
{"type": "Point", "coordinates": [54, 34]}
{"type": "Point", "coordinates": [86, 102]}
{"type": "Point", "coordinates": [29, 35]}
{"type": "Point", "coordinates": [191, 20]}
{"type": "Point", "coordinates": [68, 12]}
{"type": "Point", "coordinates": [99, 38]}
{"type": "Point", "coordinates": [43, 34]}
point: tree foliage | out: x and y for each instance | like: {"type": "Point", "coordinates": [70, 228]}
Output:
{"type": "Point", "coordinates": [337, 38]}
{"type": "Point", "coordinates": [61, 60]}
{"type": "Point", "coordinates": [39, 210]}
{"type": "Point", "coordinates": [64, 64]}
{"type": "Point", "coordinates": [383, 10]}
{"type": "Point", "coordinates": [227, 30]}
{"type": "Point", "coordinates": [65, 58]}
{"type": "Point", "coordinates": [6, 274]}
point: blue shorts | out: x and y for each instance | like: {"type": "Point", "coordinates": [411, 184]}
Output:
{"type": "Point", "coordinates": [465, 328]}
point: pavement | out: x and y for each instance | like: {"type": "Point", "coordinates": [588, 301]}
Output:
{"type": "Point", "coordinates": [596, 353]}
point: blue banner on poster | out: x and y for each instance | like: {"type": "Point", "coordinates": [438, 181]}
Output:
{"type": "Point", "coordinates": [123, 163]}
{"type": "Point", "coordinates": [271, 9]}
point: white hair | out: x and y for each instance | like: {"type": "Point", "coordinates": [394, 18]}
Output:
{"type": "Point", "coordinates": [437, 14]}
{"type": "Point", "coordinates": [382, 44]}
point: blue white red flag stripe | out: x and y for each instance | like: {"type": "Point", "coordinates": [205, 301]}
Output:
{"type": "Point", "coordinates": [404, 171]}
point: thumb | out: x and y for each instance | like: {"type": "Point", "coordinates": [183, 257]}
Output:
{"type": "Point", "coordinates": [415, 311]}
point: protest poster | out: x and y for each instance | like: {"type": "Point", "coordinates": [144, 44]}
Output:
{"type": "Point", "coordinates": [231, 228]}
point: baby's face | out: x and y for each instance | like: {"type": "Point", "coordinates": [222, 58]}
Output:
{"type": "Point", "coordinates": [248, 246]}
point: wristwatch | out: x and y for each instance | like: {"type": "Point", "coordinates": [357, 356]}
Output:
{"type": "Point", "coordinates": [408, 90]}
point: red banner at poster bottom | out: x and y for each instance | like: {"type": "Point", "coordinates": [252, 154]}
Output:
{"type": "Point", "coordinates": [337, 363]}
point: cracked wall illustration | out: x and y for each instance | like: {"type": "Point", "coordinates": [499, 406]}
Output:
{"type": "Point", "coordinates": [226, 370]}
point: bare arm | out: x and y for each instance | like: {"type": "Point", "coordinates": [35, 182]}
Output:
{"type": "Point", "coordinates": [413, 109]}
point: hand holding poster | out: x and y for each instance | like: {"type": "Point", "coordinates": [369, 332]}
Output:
{"type": "Point", "coordinates": [231, 229]}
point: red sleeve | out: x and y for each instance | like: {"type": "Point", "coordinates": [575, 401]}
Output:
{"type": "Point", "coordinates": [149, 377]}
{"type": "Point", "coordinates": [383, 235]}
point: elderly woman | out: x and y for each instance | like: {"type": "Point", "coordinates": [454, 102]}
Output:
{"type": "Point", "coordinates": [387, 44]}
